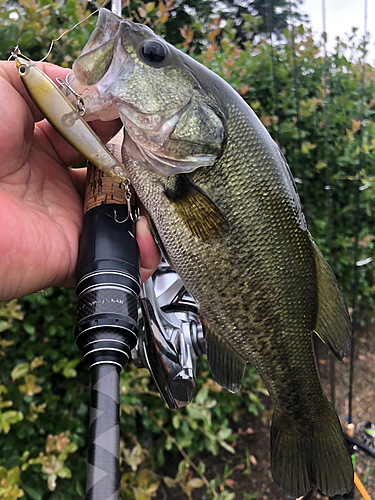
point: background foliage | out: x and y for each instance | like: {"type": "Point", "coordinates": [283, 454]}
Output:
{"type": "Point", "coordinates": [44, 388]}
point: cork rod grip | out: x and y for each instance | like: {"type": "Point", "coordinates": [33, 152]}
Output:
{"type": "Point", "coordinates": [101, 189]}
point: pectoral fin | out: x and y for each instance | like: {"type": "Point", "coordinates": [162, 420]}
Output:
{"type": "Point", "coordinates": [196, 209]}
{"type": "Point", "coordinates": [333, 325]}
{"type": "Point", "coordinates": [227, 367]}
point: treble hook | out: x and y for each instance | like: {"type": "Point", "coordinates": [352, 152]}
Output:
{"type": "Point", "coordinates": [79, 101]}
{"type": "Point", "coordinates": [128, 195]}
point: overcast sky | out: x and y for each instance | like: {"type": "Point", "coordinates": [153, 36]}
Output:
{"type": "Point", "coordinates": [341, 15]}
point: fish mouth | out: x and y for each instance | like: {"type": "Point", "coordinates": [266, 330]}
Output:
{"type": "Point", "coordinates": [96, 103]}
{"type": "Point", "coordinates": [96, 57]}
{"type": "Point", "coordinates": [99, 75]}
{"type": "Point", "coordinates": [105, 56]}
{"type": "Point", "coordinates": [102, 62]}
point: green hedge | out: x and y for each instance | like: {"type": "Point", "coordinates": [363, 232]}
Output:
{"type": "Point", "coordinates": [44, 388]}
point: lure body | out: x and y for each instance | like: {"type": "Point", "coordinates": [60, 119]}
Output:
{"type": "Point", "coordinates": [64, 117]}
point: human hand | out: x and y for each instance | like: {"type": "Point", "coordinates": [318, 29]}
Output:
{"type": "Point", "coordinates": [40, 197]}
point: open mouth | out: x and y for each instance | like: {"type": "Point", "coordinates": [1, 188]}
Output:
{"type": "Point", "coordinates": [94, 73]}
{"type": "Point", "coordinates": [99, 66]}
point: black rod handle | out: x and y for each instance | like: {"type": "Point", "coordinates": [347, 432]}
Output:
{"type": "Point", "coordinates": [108, 286]}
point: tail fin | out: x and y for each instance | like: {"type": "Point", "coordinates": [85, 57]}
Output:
{"type": "Point", "coordinates": [315, 457]}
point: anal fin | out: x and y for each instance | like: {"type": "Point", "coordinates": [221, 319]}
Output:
{"type": "Point", "coordinates": [333, 325]}
{"type": "Point", "coordinates": [227, 367]}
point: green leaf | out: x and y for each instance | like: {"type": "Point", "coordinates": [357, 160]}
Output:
{"type": "Point", "coordinates": [227, 447]}
{"type": "Point", "coordinates": [69, 372]}
{"type": "Point", "coordinates": [30, 329]}
{"type": "Point", "coordinates": [5, 426]}
{"type": "Point", "coordinates": [20, 371]}
{"type": "Point", "coordinates": [169, 482]}
{"type": "Point", "coordinates": [5, 325]}
{"type": "Point", "coordinates": [3, 473]}
{"type": "Point", "coordinates": [13, 476]}
{"type": "Point", "coordinates": [79, 489]}
{"type": "Point", "coordinates": [196, 482]}
{"type": "Point", "coordinates": [176, 421]}
{"type": "Point", "coordinates": [196, 412]}
{"type": "Point", "coordinates": [225, 495]}
{"type": "Point", "coordinates": [37, 362]}
{"type": "Point", "coordinates": [64, 472]}
{"type": "Point", "coordinates": [51, 481]}
{"type": "Point", "coordinates": [32, 492]}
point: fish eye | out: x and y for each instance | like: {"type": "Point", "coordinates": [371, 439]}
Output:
{"type": "Point", "coordinates": [22, 69]}
{"type": "Point", "coordinates": [153, 51]}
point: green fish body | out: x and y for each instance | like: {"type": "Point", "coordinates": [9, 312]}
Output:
{"type": "Point", "coordinates": [222, 201]}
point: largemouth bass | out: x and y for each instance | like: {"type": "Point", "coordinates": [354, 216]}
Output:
{"type": "Point", "coordinates": [222, 202]}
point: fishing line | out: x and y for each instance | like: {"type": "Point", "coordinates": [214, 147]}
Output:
{"type": "Point", "coordinates": [357, 223]}
{"type": "Point", "coordinates": [71, 29]}
{"type": "Point", "coordinates": [269, 5]}
{"type": "Point", "coordinates": [298, 117]}
{"type": "Point", "coordinates": [327, 187]}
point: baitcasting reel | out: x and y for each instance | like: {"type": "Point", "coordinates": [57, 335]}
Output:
{"type": "Point", "coordinates": [171, 337]}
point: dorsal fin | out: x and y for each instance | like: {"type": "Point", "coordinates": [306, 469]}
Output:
{"type": "Point", "coordinates": [196, 209]}
{"type": "Point", "coordinates": [333, 325]}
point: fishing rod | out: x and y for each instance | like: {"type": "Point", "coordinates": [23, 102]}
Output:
{"type": "Point", "coordinates": [108, 286]}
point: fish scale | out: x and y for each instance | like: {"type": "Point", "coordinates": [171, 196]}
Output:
{"type": "Point", "coordinates": [223, 205]}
